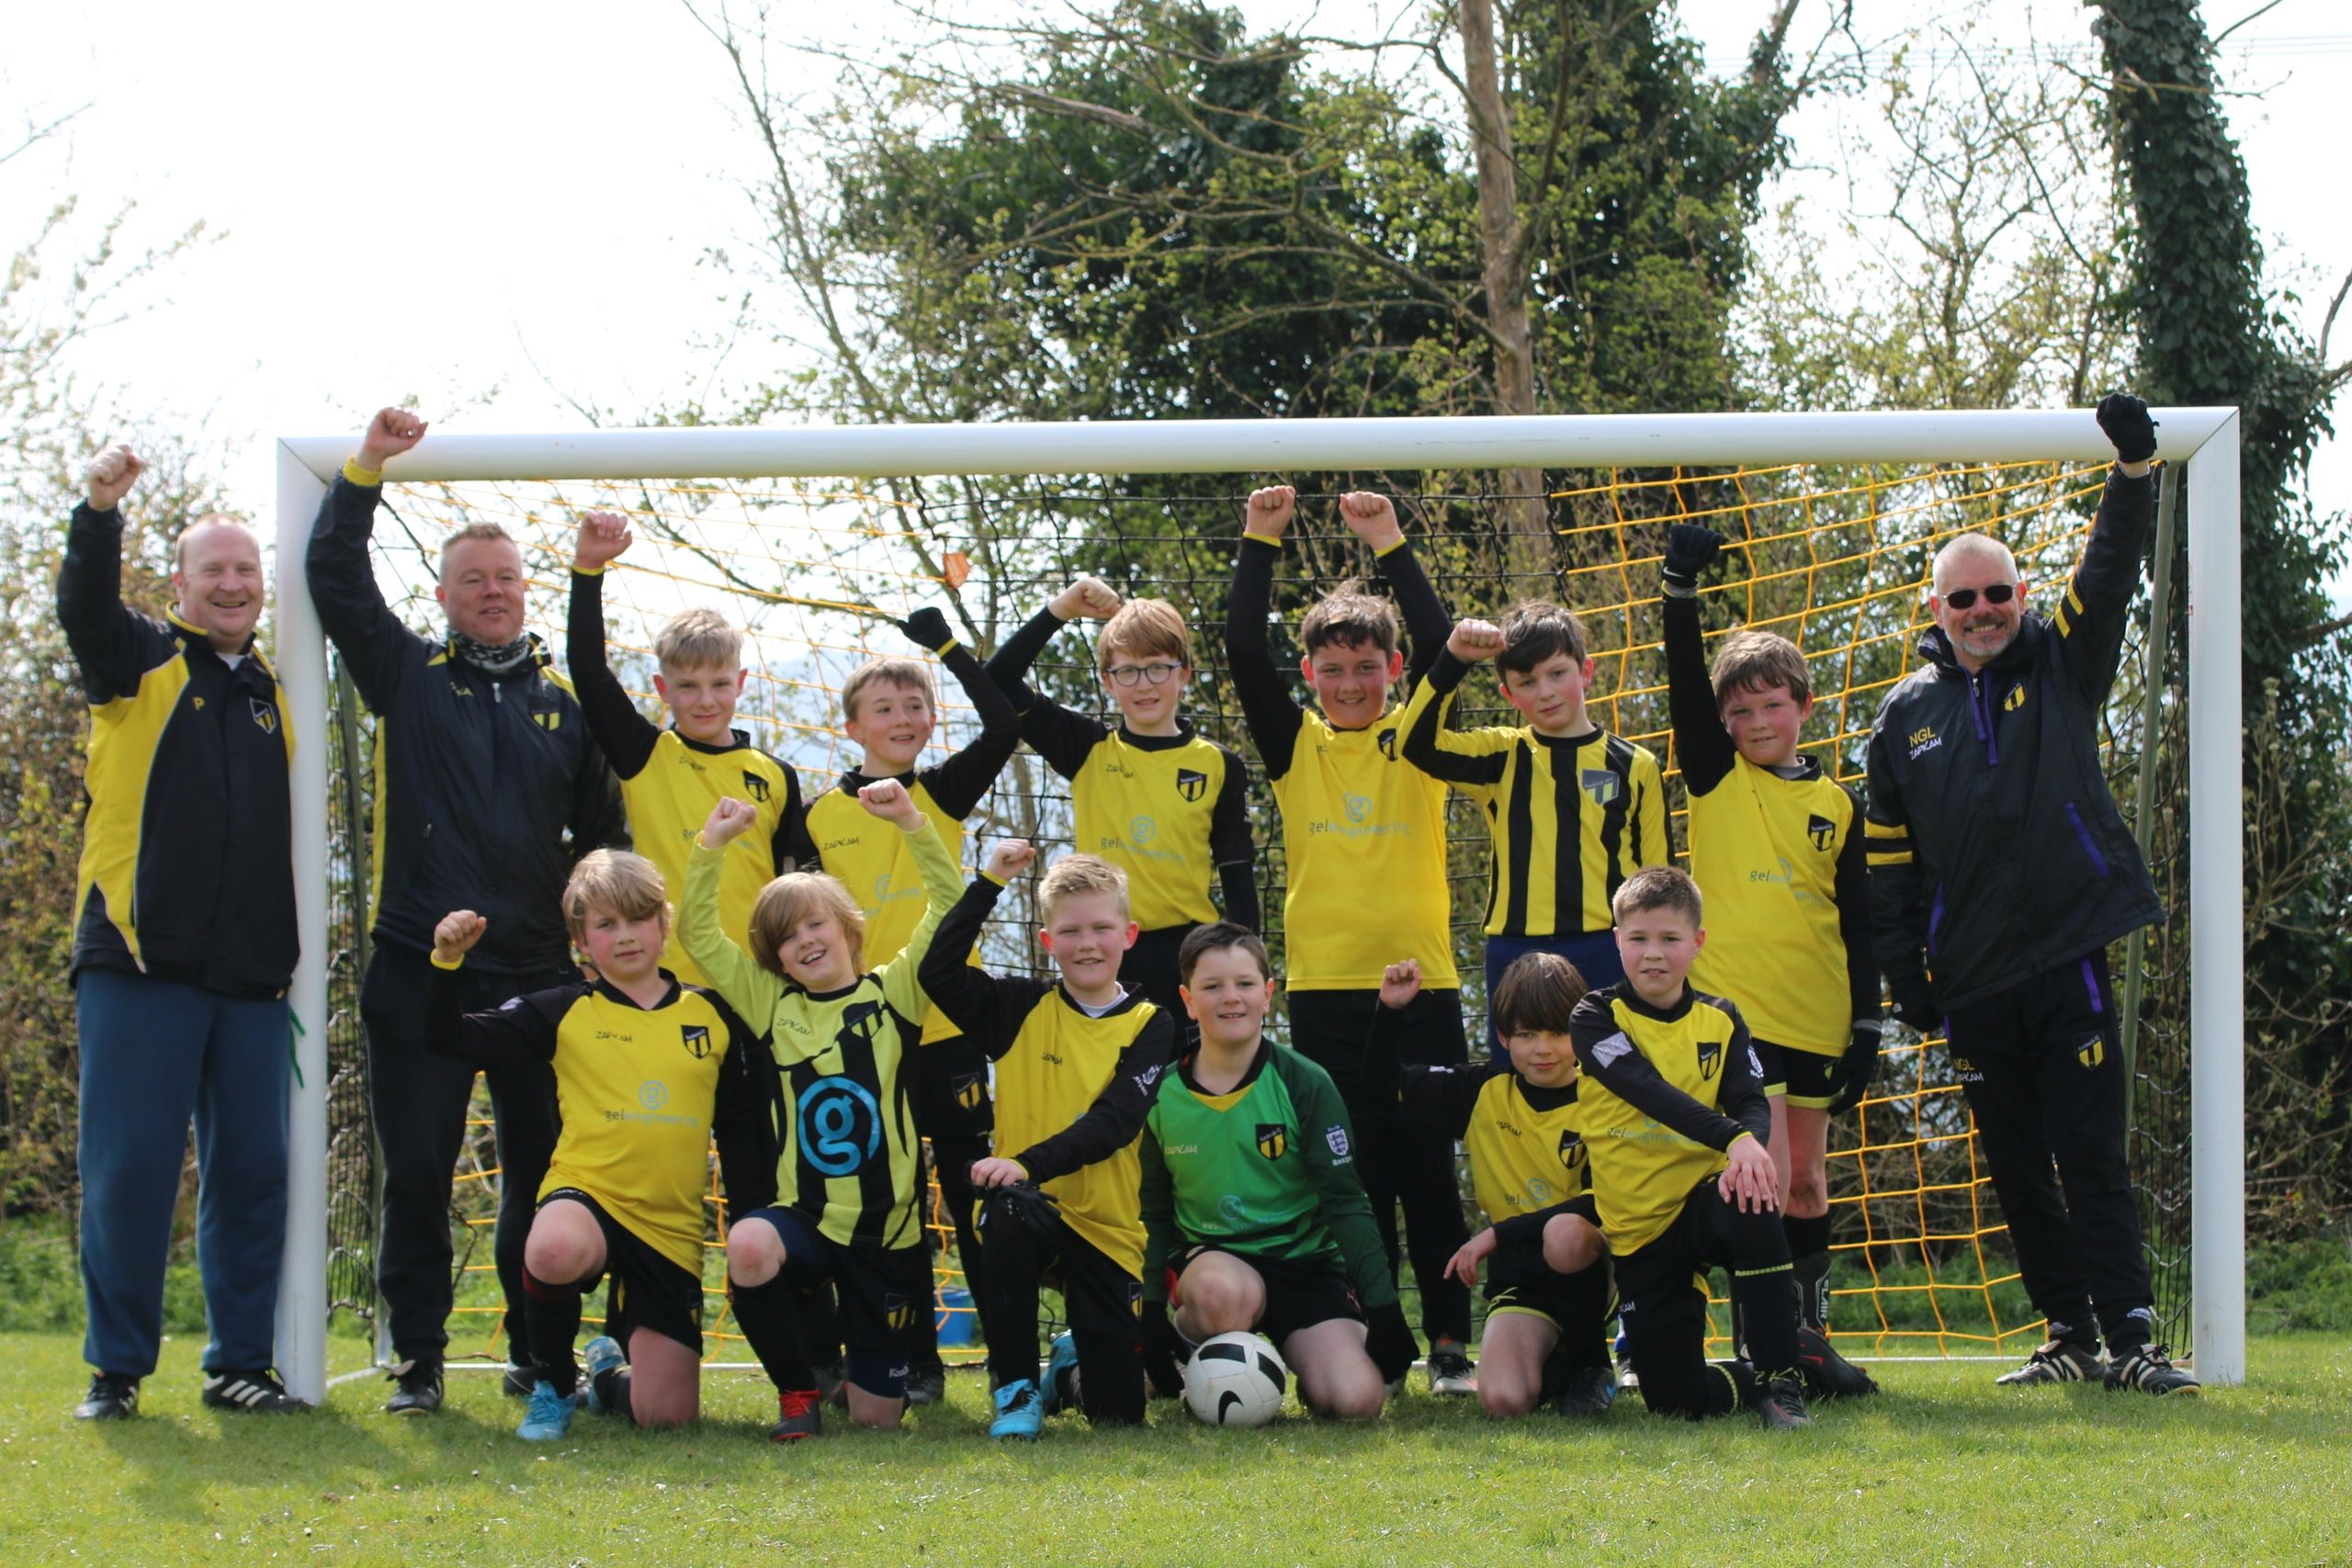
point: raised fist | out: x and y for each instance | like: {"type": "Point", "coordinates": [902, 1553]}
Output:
{"type": "Point", "coordinates": [1270, 510]}
{"type": "Point", "coordinates": [1370, 517]}
{"type": "Point", "coordinates": [456, 933]}
{"type": "Point", "coordinates": [928, 628]}
{"type": "Point", "coordinates": [1475, 640]}
{"type": "Point", "coordinates": [603, 535]}
{"type": "Point", "coordinates": [1400, 982]}
{"type": "Point", "coordinates": [888, 799]}
{"type": "Point", "coordinates": [1090, 598]}
{"type": "Point", "coordinates": [2125, 421]}
{"type": "Point", "coordinates": [1011, 857]}
{"type": "Point", "coordinates": [389, 433]}
{"type": "Point", "coordinates": [111, 474]}
{"type": "Point", "coordinates": [727, 818]}
{"type": "Point", "coordinates": [1689, 547]}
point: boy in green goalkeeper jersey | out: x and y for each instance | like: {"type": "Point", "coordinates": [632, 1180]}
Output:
{"type": "Point", "coordinates": [1254, 1217]}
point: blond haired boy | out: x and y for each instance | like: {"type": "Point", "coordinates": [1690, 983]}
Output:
{"type": "Point", "coordinates": [672, 777]}
{"type": "Point", "coordinates": [1076, 1065]}
{"type": "Point", "coordinates": [1163, 803]}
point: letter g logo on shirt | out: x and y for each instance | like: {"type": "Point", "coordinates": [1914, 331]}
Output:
{"type": "Point", "coordinates": [840, 1126]}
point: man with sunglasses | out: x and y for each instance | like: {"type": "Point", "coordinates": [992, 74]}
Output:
{"type": "Point", "coordinates": [2000, 870]}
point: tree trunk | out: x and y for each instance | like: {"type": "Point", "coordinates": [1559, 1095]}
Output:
{"type": "Point", "coordinates": [1525, 515]}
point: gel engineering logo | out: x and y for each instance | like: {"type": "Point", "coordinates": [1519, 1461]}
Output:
{"type": "Point", "coordinates": [838, 1124]}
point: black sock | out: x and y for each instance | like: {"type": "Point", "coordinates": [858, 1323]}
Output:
{"type": "Point", "coordinates": [1809, 1258]}
{"type": "Point", "coordinates": [551, 1315]}
{"type": "Point", "coordinates": [1765, 1300]}
{"type": "Point", "coordinates": [612, 1393]}
{"type": "Point", "coordinates": [771, 1322]}
{"type": "Point", "coordinates": [1110, 1374]}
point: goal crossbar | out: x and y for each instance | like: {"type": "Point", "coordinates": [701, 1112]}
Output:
{"type": "Point", "coordinates": [2203, 441]}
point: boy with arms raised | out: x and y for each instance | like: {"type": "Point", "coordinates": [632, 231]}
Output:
{"type": "Point", "coordinates": [1547, 1299]}
{"type": "Point", "coordinates": [1254, 1215]}
{"type": "Point", "coordinates": [1363, 851]}
{"type": "Point", "coordinates": [1076, 1065]}
{"type": "Point", "coordinates": [889, 708]}
{"type": "Point", "coordinates": [1674, 1118]}
{"type": "Point", "coordinates": [623, 1195]}
{"type": "Point", "coordinates": [1777, 849]}
{"type": "Point", "coordinates": [1573, 810]}
{"type": "Point", "coordinates": [671, 778]}
{"type": "Point", "coordinates": [848, 1173]}
{"type": "Point", "coordinates": [1167, 805]}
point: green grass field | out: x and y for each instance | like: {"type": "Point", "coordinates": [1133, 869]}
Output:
{"type": "Point", "coordinates": [1943, 1468]}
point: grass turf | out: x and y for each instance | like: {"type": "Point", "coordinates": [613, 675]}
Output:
{"type": "Point", "coordinates": [1943, 1468]}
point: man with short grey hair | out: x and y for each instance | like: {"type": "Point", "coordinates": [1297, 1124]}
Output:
{"type": "Point", "coordinates": [489, 789]}
{"type": "Point", "coordinates": [2000, 870]}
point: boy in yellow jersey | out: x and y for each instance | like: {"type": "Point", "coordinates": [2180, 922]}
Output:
{"type": "Point", "coordinates": [1776, 847]}
{"type": "Point", "coordinates": [1075, 1065]}
{"type": "Point", "coordinates": [889, 708]}
{"type": "Point", "coordinates": [1363, 852]}
{"type": "Point", "coordinates": [848, 1173]}
{"type": "Point", "coordinates": [1675, 1120]}
{"type": "Point", "coordinates": [647, 1070]}
{"type": "Point", "coordinates": [1547, 1298]}
{"type": "Point", "coordinates": [1573, 810]}
{"type": "Point", "coordinates": [1166, 804]}
{"type": "Point", "coordinates": [671, 778]}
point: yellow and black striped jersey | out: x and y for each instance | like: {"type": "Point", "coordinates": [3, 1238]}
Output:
{"type": "Point", "coordinates": [187, 870]}
{"type": "Point", "coordinates": [642, 1091]}
{"type": "Point", "coordinates": [1570, 818]}
{"type": "Point", "coordinates": [1665, 1092]}
{"type": "Point", "coordinates": [850, 1155]}
{"type": "Point", "coordinates": [1072, 1087]}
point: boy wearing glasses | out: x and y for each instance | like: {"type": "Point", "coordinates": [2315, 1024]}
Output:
{"type": "Point", "coordinates": [1163, 803]}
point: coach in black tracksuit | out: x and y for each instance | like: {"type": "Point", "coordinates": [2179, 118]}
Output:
{"type": "Point", "coordinates": [488, 789]}
{"type": "Point", "coordinates": [2000, 870]}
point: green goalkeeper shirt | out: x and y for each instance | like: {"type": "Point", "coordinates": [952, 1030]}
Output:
{"type": "Point", "coordinates": [1266, 1168]}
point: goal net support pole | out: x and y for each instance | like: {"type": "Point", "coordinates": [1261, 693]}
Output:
{"type": "Point", "coordinates": [2204, 439]}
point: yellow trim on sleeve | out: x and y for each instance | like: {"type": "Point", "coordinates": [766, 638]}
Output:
{"type": "Point", "coordinates": [1261, 538]}
{"type": "Point", "coordinates": [1872, 829]}
{"type": "Point", "coordinates": [372, 477]}
{"type": "Point", "coordinates": [452, 966]}
{"type": "Point", "coordinates": [579, 570]}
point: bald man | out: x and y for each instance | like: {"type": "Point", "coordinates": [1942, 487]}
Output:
{"type": "Point", "coordinates": [183, 944]}
{"type": "Point", "coordinates": [2000, 871]}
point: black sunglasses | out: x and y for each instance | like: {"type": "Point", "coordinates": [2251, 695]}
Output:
{"type": "Point", "coordinates": [1964, 598]}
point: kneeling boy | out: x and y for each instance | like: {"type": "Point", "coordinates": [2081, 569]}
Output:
{"type": "Point", "coordinates": [846, 1176]}
{"type": "Point", "coordinates": [1254, 1215]}
{"type": "Point", "coordinates": [1547, 1297]}
{"type": "Point", "coordinates": [623, 1196]}
{"type": "Point", "coordinates": [1075, 1065]}
{"type": "Point", "coordinates": [1676, 1121]}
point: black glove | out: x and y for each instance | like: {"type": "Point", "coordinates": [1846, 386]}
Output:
{"type": "Point", "coordinates": [1389, 1342]}
{"type": "Point", "coordinates": [1915, 1003]}
{"type": "Point", "coordinates": [929, 628]}
{"type": "Point", "coordinates": [1035, 1209]}
{"type": "Point", "coordinates": [2125, 420]}
{"type": "Point", "coordinates": [1856, 1068]}
{"type": "Point", "coordinates": [1688, 548]}
{"type": "Point", "coordinates": [1161, 1352]}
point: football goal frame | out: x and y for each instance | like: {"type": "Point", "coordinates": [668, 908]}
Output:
{"type": "Point", "coordinates": [2201, 444]}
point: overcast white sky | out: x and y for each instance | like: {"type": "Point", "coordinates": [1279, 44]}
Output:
{"type": "Point", "coordinates": [457, 200]}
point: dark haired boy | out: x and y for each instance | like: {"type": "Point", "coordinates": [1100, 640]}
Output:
{"type": "Point", "coordinates": [1364, 853]}
{"type": "Point", "coordinates": [1573, 810]}
{"type": "Point", "coordinates": [1253, 1216]}
{"type": "Point", "coordinates": [1548, 1296]}
{"type": "Point", "coordinates": [1675, 1120]}
{"type": "Point", "coordinates": [1776, 848]}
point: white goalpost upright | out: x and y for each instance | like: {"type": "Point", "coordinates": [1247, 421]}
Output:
{"type": "Point", "coordinates": [2203, 441]}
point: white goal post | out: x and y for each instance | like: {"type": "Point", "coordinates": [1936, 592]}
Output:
{"type": "Point", "coordinates": [2204, 440]}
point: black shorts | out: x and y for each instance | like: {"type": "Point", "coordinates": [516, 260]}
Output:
{"type": "Point", "coordinates": [1664, 1282]}
{"type": "Point", "coordinates": [951, 1104]}
{"type": "Point", "coordinates": [1518, 1279]}
{"type": "Point", "coordinates": [1300, 1291]}
{"type": "Point", "coordinates": [648, 1289]}
{"type": "Point", "coordinates": [1099, 1296]}
{"type": "Point", "coordinates": [884, 1291]}
{"type": "Point", "coordinates": [1328, 1028]}
{"type": "Point", "coordinates": [1807, 1078]}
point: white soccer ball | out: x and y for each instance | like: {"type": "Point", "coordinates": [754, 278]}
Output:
{"type": "Point", "coordinates": [1235, 1380]}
